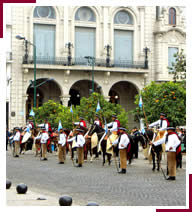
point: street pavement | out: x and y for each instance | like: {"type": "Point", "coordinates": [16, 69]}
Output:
{"type": "Point", "coordinates": [140, 186]}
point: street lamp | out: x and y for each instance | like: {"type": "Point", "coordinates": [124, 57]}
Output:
{"type": "Point", "coordinates": [146, 50]}
{"type": "Point", "coordinates": [108, 48]}
{"type": "Point", "coordinates": [32, 83]}
{"type": "Point", "coordinates": [34, 57]}
{"type": "Point", "coordinates": [69, 46]}
{"type": "Point", "coordinates": [91, 60]}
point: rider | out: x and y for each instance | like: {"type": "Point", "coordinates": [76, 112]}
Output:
{"type": "Point", "coordinates": [81, 123]}
{"type": "Point", "coordinates": [97, 120]}
{"type": "Point", "coordinates": [115, 124]}
{"type": "Point", "coordinates": [122, 141]}
{"type": "Point", "coordinates": [162, 123]}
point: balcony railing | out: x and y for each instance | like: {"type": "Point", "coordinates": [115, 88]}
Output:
{"type": "Point", "coordinates": [65, 61]}
{"type": "Point", "coordinates": [9, 56]}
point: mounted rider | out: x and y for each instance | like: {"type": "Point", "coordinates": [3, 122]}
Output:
{"type": "Point", "coordinates": [97, 120]}
{"type": "Point", "coordinates": [113, 132]}
{"type": "Point", "coordinates": [162, 125]}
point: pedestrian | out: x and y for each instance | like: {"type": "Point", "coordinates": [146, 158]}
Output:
{"type": "Point", "coordinates": [16, 140]}
{"type": "Point", "coordinates": [171, 141]}
{"type": "Point", "coordinates": [122, 141]}
{"type": "Point", "coordinates": [62, 146]}
{"type": "Point", "coordinates": [8, 134]}
{"type": "Point", "coordinates": [80, 141]}
{"type": "Point", "coordinates": [44, 137]}
{"type": "Point", "coordinates": [135, 133]}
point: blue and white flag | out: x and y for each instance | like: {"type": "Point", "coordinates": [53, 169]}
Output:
{"type": "Point", "coordinates": [32, 113]}
{"type": "Point", "coordinates": [59, 126]}
{"type": "Point", "coordinates": [140, 102]}
{"type": "Point", "coordinates": [71, 110]}
{"type": "Point", "coordinates": [98, 107]}
{"type": "Point", "coordinates": [106, 128]}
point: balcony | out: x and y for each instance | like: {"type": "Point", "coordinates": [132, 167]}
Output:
{"type": "Point", "coordinates": [9, 56]}
{"type": "Point", "coordinates": [65, 61]}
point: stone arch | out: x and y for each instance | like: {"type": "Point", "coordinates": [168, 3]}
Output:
{"type": "Point", "coordinates": [82, 88]}
{"type": "Point", "coordinates": [46, 89]}
{"type": "Point", "coordinates": [130, 10]}
{"type": "Point", "coordinates": [125, 92]}
{"type": "Point", "coordinates": [94, 9]}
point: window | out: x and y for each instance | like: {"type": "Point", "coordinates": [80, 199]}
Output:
{"type": "Point", "coordinates": [172, 16]}
{"type": "Point", "coordinates": [123, 38]}
{"type": "Point", "coordinates": [123, 17]}
{"type": "Point", "coordinates": [171, 59]}
{"type": "Point", "coordinates": [85, 14]}
{"type": "Point", "coordinates": [44, 12]}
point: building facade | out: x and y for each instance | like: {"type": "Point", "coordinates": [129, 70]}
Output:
{"type": "Point", "coordinates": [115, 51]}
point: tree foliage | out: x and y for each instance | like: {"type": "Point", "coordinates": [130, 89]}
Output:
{"type": "Point", "coordinates": [178, 69]}
{"type": "Point", "coordinates": [169, 98]}
{"type": "Point", "coordinates": [55, 112]}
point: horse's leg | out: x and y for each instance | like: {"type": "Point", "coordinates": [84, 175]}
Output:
{"type": "Point", "coordinates": [158, 160]}
{"type": "Point", "coordinates": [85, 152]}
{"type": "Point", "coordinates": [109, 158]}
{"type": "Point", "coordinates": [153, 158]}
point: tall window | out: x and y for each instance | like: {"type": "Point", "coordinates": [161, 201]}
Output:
{"type": "Point", "coordinates": [172, 16]}
{"type": "Point", "coordinates": [44, 34]}
{"type": "Point", "coordinates": [123, 38]}
{"type": "Point", "coordinates": [85, 37]}
{"type": "Point", "coordinates": [171, 59]}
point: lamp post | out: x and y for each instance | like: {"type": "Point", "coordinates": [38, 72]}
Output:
{"type": "Point", "coordinates": [34, 57]}
{"type": "Point", "coordinates": [91, 60]}
{"type": "Point", "coordinates": [146, 50]}
{"type": "Point", "coordinates": [69, 46]}
{"type": "Point", "coordinates": [108, 48]}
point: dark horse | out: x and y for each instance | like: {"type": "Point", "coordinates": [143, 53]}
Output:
{"type": "Point", "coordinates": [100, 133]}
{"type": "Point", "coordinates": [155, 150]}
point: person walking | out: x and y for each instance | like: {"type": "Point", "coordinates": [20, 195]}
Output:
{"type": "Point", "coordinates": [16, 140]}
{"type": "Point", "coordinates": [171, 141]}
{"type": "Point", "coordinates": [122, 141]}
{"type": "Point", "coordinates": [62, 146]}
{"type": "Point", "coordinates": [80, 141]}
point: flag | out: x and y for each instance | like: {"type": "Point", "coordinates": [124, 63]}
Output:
{"type": "Point", "coordinates": [98, 107]}
{"type": "Point", "coordinates": [71, 110]}
{"type": "Point", "coordinates": [106, 128]}
{"type": "Point", "coordinates": [142, 126]}
{"type": "Point", "coordinates": [140, 102]}
{"type": "Point", "coordinates": [59, 126]}
{"type": "Point", "coordinates": [32, 113]}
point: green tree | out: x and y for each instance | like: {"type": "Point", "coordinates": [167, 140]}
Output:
{"type": "Point", "coordinates": [178, 69]}
{"type": "Point", "coordinates": [55, 112]}
{"type": "Point", "coordinates": [169, 98]}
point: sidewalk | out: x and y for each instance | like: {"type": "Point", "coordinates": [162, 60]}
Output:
{"type": "Point", "coordinates": [29, 199]}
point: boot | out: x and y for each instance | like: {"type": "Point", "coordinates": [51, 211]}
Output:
{"type": "Point", "coordinates": [171, 178]}
{"type": "Point", "coordinates": [123, 171]}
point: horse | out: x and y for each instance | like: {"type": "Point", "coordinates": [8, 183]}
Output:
{"type": "Point", "coordinates": [138, 138]}
{"type": "Point", "coordinates": [155, 150]}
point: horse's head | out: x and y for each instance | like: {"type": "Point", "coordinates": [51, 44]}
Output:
{"type": "Point", "coordinates": [93, 129]}
{"type": "Point", "coordinates": [148, 135]}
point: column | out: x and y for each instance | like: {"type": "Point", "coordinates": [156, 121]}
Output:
{"type": "Point", "coordinates": [142, 28]}
{"type": "Point", "coordinates": [65, 99]}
